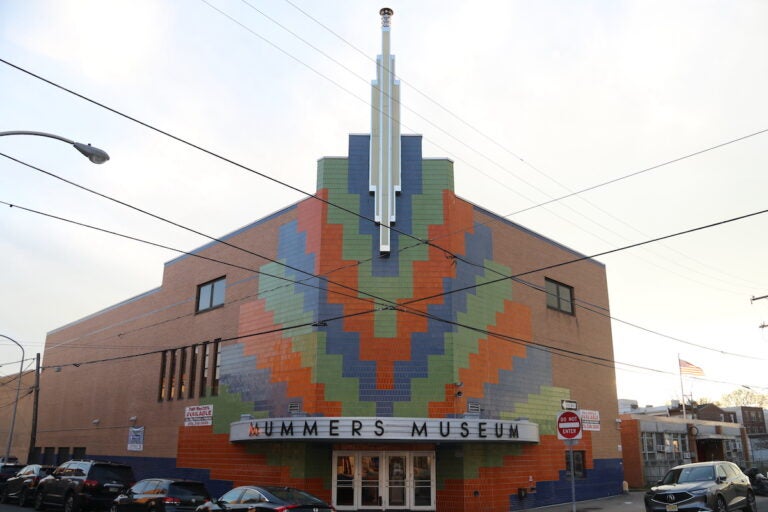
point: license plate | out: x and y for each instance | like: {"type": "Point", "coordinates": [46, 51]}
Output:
{"type": "Point", "coordinates": [671, 508]}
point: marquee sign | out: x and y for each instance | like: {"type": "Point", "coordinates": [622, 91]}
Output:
{"type": "Point", "coordinates": [383, 429]}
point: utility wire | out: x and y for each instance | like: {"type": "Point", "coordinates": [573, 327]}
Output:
{"type": "Point", "coordinates": [515, 278]}
{"type": "Point", "coordinates": [571, 192]}
{"type": "Point", "coordinates": [403, 306]}
{"type": "Point", "coordinates": [418, 240]}
{"type": "Point", "coordinates": [336, 206]}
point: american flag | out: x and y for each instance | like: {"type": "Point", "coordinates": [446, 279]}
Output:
{"type": "Point", "coordinates": [687, 368]}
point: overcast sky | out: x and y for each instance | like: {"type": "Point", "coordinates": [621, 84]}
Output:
{"type": "Point", "coordinates": [532, 100]}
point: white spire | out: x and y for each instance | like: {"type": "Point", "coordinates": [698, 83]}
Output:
{"type": "Point", "coordinates": [384, 180]}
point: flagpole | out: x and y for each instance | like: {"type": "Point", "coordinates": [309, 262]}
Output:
{"type": "Point", "coordinates": [682, 390]}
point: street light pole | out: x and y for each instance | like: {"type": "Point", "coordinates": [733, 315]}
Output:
{"type": "Point", "coordinates": [16, 403]}
{"type": "Point", "coordinates": [95, 155]}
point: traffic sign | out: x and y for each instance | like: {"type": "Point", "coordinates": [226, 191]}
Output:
{"type": "Point", "coordinates": [569, 405]}
{"type": "Point", "coordinates": [568, 425]}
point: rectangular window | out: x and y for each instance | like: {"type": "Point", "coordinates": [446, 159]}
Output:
{"type": "Point", "coordinates": [211, 294]}
{"type": "Point", "coordinates": [163, 376]}
{"type": "Point", "coordinates": [78, 452]}
{"type": "Point", "coordinates": [206, 350]}
{"type": "Point", "coordinates": [49, 456]}
{"type": "Point", "coordinates": [559, 296]}
{"type": "Point", "coordinates": [193, 370]}
{"type": "Point", "coordinates": [172, 375]}
{"type": "Point", "coordinates": [578, 463]}
{"type": "Point", "coordinates": [63, 455]}
{"type": "Point", "coordinates": [216, 367]}
{"type": "Point", "coordinates": [182, 373]}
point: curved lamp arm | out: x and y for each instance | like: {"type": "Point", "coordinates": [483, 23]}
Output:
{"type": "Point", "coordinates": [16, 403]}
{"type": "Point", "coordinates": [95, 155]}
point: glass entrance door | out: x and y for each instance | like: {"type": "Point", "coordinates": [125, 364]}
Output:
{"type": "Point", "coordinates": [367, 480]}
{"type": "Point", "coordinates": [395, 484]}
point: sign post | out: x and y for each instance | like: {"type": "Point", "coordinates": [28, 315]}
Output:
{"type": "Point", "coordinates": [569, 430]}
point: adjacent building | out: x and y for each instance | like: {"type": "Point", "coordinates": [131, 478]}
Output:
{"type": "Point", "coordinates": [654, 442]}
{"type": "Point", "coordinates": [383, 344]}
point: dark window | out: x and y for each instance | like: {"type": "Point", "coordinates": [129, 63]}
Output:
{"type": "Point", "coordinates": [63, 455]}
{"type": "Point", "coordinates": [78, 452]}
{"type": "Point", "coordinates": [49, 455]}
{"type": "Point", "coordinates": [182, 373]}
{"type": "Point", "coordinates": [193, 369]}
{"type": "Point", "coordinates": [216, 367]}
{"type": "Point", "coordinates": [204, 367]}
{"type": "Point", "coordinates": [211, 295]}
{"type": "Point", "coordinates": [172, 376]}
{"type": "Point", "coordinates": [578, 464]}
{"type": "Point", "coordinates": [163, 363]}
{"type": "Point", "coordinates": [559, 296]}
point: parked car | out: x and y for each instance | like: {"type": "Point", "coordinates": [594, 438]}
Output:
{"type": "Point", "coordinates": [23, 485]}
{"type": "Point", "coordinates": [84, 485]}
{"type": "Point", "coordinates": [717, 486]}
{"type": "Point", "coordinates": [7, 470]}
{"type": "Point", "coordinates": [250, 497]}
{"type": "Point", "coordinates": [162, 495]}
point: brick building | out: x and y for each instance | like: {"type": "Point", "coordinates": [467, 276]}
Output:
{"type": "Point", "coordinates": [384, 345]}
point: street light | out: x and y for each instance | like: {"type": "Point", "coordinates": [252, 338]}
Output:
{"type": "Point", "coordinates": [16, 403]}
{"type": "Point", "coordinates": [95, 155]}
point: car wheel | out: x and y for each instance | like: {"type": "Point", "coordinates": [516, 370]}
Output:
{"type": "Point", "coordinates": [70, 503]}
{"type": "Point", "coordinates": [23, 498]}
{"type": "Point", "coordinates": [4, 495]}
{"type": "Point", "coordinates": [39, 501]}
{"type": "Point", "coordinates": [751, 505]}
{"type": "Point", "coordinates": [720, 505]}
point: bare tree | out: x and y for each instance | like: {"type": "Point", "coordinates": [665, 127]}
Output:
{"type": "Point", "coordinates": [743, 397]}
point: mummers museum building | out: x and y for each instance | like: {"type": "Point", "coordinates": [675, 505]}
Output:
{"type": "Point", "coordinates": [383, 344]}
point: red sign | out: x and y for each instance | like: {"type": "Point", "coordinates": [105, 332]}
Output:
{"type": "Point", "coordinates": [568, 425]}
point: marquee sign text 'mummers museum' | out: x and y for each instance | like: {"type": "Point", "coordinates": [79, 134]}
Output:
{"type": "Point", "coordinates": [383, 429]}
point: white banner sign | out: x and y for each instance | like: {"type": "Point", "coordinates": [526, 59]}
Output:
{"type": "Point", "coordinates": [136, 439]}
{"type": "Point", "coordinates": [590, 420]}
{"type": "Point", "coordinates": [383, 429]}
{"type": "Point", "coordinates": [198, 415]}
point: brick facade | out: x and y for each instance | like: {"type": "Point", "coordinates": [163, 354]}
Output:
{"type": "Point", "coordinates": [417, 333]}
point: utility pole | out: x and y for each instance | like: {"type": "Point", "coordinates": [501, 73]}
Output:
{"type": "Point", "coordinates": [36, 395]}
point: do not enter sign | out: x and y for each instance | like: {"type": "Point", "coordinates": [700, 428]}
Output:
{"type": "Point", "coordinates": [568, 425]}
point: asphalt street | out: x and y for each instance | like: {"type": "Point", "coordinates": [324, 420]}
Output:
{"type": "Point", "coordinates": [630, 502]}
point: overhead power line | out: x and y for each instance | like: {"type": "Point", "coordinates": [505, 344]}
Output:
{"type": "Point", "coordinates": [403, 305]}
{"type": "Point", "coordinates": [460, 140]}
{"type": "Point", "coordinates": [307, 194]}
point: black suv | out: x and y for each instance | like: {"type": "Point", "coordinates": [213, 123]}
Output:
{"type": "Point", "coordinates": [84, 485]}
{"type": "Point", "coordinates": [162, 495]}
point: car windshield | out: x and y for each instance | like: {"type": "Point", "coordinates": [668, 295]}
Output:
{"type": "Point", "coordinates": [10, 469]}
{"type": "Point", "coordinates": [188, 490]}
{"type": "Point", "coordinates": [110, 473]}
{"type": "Point", "coordinates": [294, 496]}
{"type": "Point", "coordinates": [689, 474]}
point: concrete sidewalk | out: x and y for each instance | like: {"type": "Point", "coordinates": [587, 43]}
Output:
{"type": "Point", "coordinates": [629, 502]}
